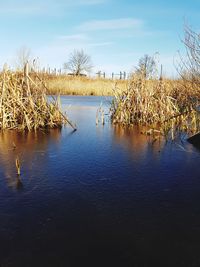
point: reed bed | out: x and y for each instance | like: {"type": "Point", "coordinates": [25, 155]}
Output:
{"type": "Point", "coordinates": [24, 104]}
{"type": "Point", "coordinates": [76, 85]}
{"type": "Point", "coordinates": [163, 106]}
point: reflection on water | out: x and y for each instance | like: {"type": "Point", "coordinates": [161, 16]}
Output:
{"type": "Point", "coordinates": [133, 139]}
{"type": "Point", "coordinates": [100, 196]}
{"type": "Point", "coordinates": [10, 139]}
{"type": "Point", "coordinates": [25, 146]}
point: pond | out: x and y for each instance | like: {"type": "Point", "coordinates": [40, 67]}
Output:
{"type": "Point", "coordinates": [100, 196]}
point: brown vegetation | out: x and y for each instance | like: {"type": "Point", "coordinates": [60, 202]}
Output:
{"type": "Point", "coordinates": [24, 105]}
{"type": "Point", "coordinates": [170, 107]}
{"type": "Point", "coordinates": [162, 105]}
{"type": "Point", "coordinates": [78, 85]}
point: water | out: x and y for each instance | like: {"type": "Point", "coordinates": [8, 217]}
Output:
{"type": "Point", "coordinates": [100, 196]}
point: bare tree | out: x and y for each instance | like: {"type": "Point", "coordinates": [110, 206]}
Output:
{"type": "Point", "coordinates": [189, 66]}
{"type": "Point", "coordinates": [23, 56]}
{"type": "Point", "coordinates": [79, 63]}
{"type": "Point", "coordinates": [146, 67]}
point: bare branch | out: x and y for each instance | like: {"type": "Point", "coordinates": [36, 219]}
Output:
{"type": "Point", "coordinates": [23, 56]}
{"type": "Point", "coordinates": [146, 67]}
{"type": "Point", "coordinates": [189, 67]}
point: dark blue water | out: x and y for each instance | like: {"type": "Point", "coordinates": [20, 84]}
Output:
{"type": "Point", "coordinates": [100, 196]}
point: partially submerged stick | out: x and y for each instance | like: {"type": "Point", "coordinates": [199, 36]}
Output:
{"type": "Point", "coordinates": [18, 165]}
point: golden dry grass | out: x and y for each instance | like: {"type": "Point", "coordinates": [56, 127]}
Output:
{"type": "Point", "coordinates": [167, 106]}
{"type": "Point", "coordinates": [24, 104]}
{"type": "Point", "coordinates": [72, 85]}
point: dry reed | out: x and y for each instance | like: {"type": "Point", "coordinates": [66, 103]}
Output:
{"type": "Point", "coordinates": [24, 104]}
{"type": "Point", "coordinates": [168, 106]}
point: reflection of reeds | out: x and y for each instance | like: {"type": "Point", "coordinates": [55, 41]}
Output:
{"type": "Point", "coordinates": [23, 103]}
{"type": "Point", "coordinates": [29, 147]}
{"type": "Point", "coordinates": [100, 116]}
{"type": "Point", "coordinates": [170, 106]}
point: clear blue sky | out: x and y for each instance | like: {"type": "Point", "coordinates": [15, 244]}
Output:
{"type": "Point", "coordinates": [114, 33]}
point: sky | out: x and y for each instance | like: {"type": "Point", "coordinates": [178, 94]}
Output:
{"type": "Point", "coordinates": [116, 34]}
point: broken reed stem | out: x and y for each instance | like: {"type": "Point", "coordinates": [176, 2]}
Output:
{"type": "Point", "coordinates": [18, 166]}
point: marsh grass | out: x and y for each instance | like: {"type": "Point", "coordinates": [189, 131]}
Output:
{"type": "Point", "coordinates": [24, 104]}
{"type": "Point", "coordinates": [168, 107]}
{"type": "Point", "coordinates": [77, 85]}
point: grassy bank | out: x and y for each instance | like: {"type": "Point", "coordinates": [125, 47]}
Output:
{"type": "Point", "coordinates": [70, 85]}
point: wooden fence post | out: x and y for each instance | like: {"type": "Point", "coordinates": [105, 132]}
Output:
{"type": "Point", "coordinates": [99, 74]}
{"type": "Point", "coordinates": [161, 73]}
{"type": "Point", "coordinates": [124, 75]}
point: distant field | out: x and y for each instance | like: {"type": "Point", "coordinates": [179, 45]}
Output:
{"type": "Point", "coordinates": [69, 85]}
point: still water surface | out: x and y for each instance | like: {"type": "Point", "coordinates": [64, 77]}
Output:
{"type": "Point", "coordinates": [100, 196]}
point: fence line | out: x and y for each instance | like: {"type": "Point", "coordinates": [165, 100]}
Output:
{"type": "Point", "coordinates": [100, 74]}
{"type": "Point", "coordinates": [121, 75]}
